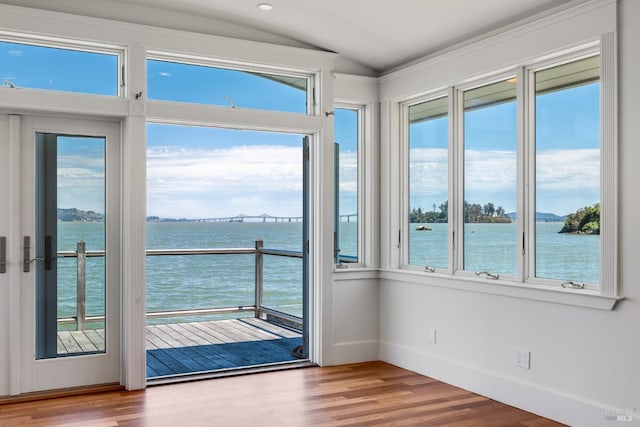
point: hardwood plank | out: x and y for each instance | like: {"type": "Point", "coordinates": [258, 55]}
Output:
{"type": "Point", "coordinates": [366, 394]}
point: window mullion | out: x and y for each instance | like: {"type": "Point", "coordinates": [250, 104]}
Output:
{"type": "Point", "coordinates": [452, 145]}
{"type": "Point", "coordinates": [608, 166]}
{"type": "Point", "coordinates": [525, 157]}
{"type": "Point", "coordinates": [457, 209]}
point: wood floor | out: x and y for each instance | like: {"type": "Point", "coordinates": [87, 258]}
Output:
{"type": "Point", "coordinates": [364, 394]}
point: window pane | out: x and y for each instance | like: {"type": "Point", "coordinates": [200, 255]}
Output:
{"type": "Point", "coordinates": [428, 184]}
{"type": "Point", "coordinates": [490, 178]}
{"type": "Point", "coordinates": [346, 135]}
{"type": "Point", "coordinates": [567, 144]}
{"type": "Point", "coordinates": [40, 67]}
{"type": "Point", "coordinates": [199, 84]}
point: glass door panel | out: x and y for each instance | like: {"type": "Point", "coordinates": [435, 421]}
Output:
{"type": "Point", "coordinates": [70, 224]}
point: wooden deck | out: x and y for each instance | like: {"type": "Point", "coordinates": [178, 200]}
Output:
{"type": "Point", "coordinates": [182, 348]}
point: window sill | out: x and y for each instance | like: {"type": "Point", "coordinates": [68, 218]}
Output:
{"type": "Point", "coordinates": [574, 297]}
{"type": "Point", "coordinates": [354, 273]}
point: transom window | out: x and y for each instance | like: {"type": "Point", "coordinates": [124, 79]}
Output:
{"type": "Point", "coordinates": [68, 69]}
{"type": "Point", "coordinates": [169, 80]}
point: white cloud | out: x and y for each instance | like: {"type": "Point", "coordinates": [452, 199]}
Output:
{"type": "Point", "coordinates": [224, 182]}
{"type": "Point", "coordinates": [568, 169]}
{"type": "Point", "coordinates": [428, 171]}
{"type": "Point", "coordinates": [15, 53]}
{"type": "Point", "coordinates": [164, 74]}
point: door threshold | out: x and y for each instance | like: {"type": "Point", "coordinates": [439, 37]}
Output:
{"type": "Point", "coordinates": [221, 373]}
{"type": "Point", "coordinates": [63, 392]}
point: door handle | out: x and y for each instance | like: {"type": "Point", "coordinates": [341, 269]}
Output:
{"type": "Point", "coordinates": [48, 259]}
{"type": "Point", "coordinates": [3, 254]}
{"type": "Point", "coordinates": [26, 266]}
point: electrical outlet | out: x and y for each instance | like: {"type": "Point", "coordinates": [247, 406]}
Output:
{"type": "Point", "coordinates": [432, 335]}
{"type": "Point", "coordinates": [523, 358]}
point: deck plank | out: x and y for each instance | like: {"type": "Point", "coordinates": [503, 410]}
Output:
{"type": "Point", "coordinates": [83, 341]}
{"type": "Point", "coordinates": [199, 346]}
{"type": "Point", "coordinates": [273, 328]}
{"type": "Point", "coordinates": [96, 338]}
{"type": "Point", "coordinates": [70, 345]}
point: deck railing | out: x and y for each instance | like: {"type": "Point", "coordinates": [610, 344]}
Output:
{"type": "Point", "coordinates": [260, 310]}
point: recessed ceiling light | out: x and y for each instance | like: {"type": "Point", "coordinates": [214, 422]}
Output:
{"type": "Point", "coordinates": [265, 6]}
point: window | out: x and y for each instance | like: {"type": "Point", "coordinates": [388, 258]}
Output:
{"type": "Point", "coordinates": [528, 183]}
{"type": "Point", "coordinates": [205, 84]}
{"type": "Point", "coordinates": [428, 183]}
{"type": "Point", "coordinates": [567, 171]}
{"type": "Point", "coordinates": [347, 137]}
{"type": "Point", "coordinates": [55, 68]}
{"type": "Point", "coordinates": [490, 142]}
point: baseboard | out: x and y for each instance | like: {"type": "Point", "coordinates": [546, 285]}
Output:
{"type": "Point", "coordinates": [355, 352]}
{"type": "Point", "coordinates": [549, 403]}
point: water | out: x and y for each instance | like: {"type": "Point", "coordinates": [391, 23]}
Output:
{"type": "Point", "coordinates": [492, 247]}
{"type": "Point", "coordinates": [205, 281]}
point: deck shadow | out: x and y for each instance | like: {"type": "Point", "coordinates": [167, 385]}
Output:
{"type": "Point", "coordinates": [211, 357]}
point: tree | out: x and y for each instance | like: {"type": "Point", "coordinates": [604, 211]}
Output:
{"type": "Point", "coordinates": [585, 220]}
{"type": "Point", "coordinates": [489, 209]}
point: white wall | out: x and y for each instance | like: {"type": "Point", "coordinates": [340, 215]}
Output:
{"type": "Point", "coordinates": [355, 292]}
{"type": "Point", "coordinates": [584, 360]}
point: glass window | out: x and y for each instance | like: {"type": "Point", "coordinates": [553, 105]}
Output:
{"type": "Point", "coordinates": [347, 136]}
{"type": "Point", "coordinates": [54, 68]}
{"type": "Point", "coordinates": [428, 183]}
{"type": "Point", "coordinates": [567, 167]}
{"type": "Point", "coordinates": [202, 84]}
{"type": "Point", "coordinates": [490, 141]}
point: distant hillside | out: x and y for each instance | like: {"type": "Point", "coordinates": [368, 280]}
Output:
{"type": "Point", "coordinates": [542, 217]}
{"type": "Point", "coordinates": [77, 215]}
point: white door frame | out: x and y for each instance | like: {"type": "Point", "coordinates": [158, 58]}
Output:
{"type": "Point", "coordinates": [28, 374]}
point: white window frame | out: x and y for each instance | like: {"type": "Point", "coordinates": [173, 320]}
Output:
{"type": "Point", "coordinates": [405, 168]}
{"type": "Point", "coordinates": [523, 284]}
{"type": "Point", "coordinates": [360, 110]}
{"type": "Point", "coordinates": [80, 46]}
{"type": "Point", "coordinates": [312, 107]}
{"type": "Point", "coordinates": [458, 195]}
{"type": "Point", "coordinates": [530, 150]}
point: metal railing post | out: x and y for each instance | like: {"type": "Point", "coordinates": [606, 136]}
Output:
{"type": "Point", "coordinates": [81, 294]}
{"type": "Point", "coordinates": [259, 279]}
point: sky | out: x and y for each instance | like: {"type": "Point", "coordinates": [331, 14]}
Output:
{"type": "Point", "coordinates": [567, 154]}
{"type": "Point", "coordinates": [199, 172]}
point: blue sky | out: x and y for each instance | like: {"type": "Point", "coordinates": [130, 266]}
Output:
{"type": "Point", "coordinates": [567, 154]}
{"type": "Point", "coordinates": [207, 172]}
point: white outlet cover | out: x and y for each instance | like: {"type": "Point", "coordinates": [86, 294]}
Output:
{"type": "Point", "coordinates": [523, 358]}
{"type": "Point", "coordinates": [432, 335]}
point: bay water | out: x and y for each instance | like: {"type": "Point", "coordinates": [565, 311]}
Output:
{"type": "Point", "coordinates": [207, 281]}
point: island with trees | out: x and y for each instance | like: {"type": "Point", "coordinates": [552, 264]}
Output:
{"type": "Point", "coordinates": [473, 213]}
{"type": "Point", "coordinates": [584, 221]}
{"type": "Point", "coordinates": [78, 215]}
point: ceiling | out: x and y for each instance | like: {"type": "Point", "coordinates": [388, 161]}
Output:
{"type": "Point", "coordinates": [377, 35]}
